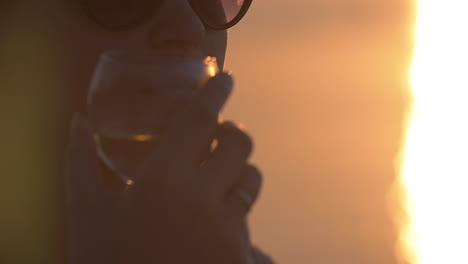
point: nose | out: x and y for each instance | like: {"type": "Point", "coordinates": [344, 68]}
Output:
{"type": "Point", "coordinates": [176, 29]}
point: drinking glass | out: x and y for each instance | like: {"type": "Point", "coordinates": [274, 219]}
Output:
{"type": "Point", "coordinates": [132, 99]}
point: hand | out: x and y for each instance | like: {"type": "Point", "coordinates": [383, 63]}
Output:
{"type": "Point", "coordinates": [177, 211]}
{"type": "Point", "coordinates": [258, 257]}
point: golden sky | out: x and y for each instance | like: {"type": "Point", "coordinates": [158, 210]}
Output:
{"type": "Point", "coordinates": [322, 86]}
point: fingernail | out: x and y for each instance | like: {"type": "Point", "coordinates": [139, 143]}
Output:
{"type": "Point", "coordinates": [229, 82]}
{"type": "Point", "coordinates": [225, 128]}
{"type": "Point", "coordinates": [228, 125]}
{"type": "Point", "coordinates": [220, 119]}
{"type": "Point", "coordinates": [241, 127]}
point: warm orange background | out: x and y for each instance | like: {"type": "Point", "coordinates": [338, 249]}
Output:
{"type": "Point", "coordinates": [322, 87]}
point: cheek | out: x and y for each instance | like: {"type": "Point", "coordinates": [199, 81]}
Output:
{"type": "Point", "coordinates": [81, 42]}
{"type": "Point", "coordinates": [215, 44]}
{"type": "Point", "coordinates": [78, 67]}
{"type": "Point", "coordinates": [78, 47]}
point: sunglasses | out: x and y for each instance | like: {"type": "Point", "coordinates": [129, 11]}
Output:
{"type": "Point", "coordinates": [127, 14]}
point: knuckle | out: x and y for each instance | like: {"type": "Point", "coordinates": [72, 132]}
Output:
{"type": "Point", "coordinates": [255, 181]}
{"type": "Point", "coordinates": [244, 141]}
{"type": "Point", "coordinates": [202, 113]}
{"type": "Point", "coordinates": [256, 174]}
{"type": "Point", "coordinates": [235, 138]}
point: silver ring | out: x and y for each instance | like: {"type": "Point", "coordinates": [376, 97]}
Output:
{"type": "Point", "coordinates": [246, 199]}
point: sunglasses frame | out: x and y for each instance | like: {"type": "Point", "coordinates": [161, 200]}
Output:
{"type": "Point", "coordinates": [245, 7]}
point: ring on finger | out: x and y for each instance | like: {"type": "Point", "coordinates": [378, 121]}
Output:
{"type": "Point", "coordinates": [246, 199]}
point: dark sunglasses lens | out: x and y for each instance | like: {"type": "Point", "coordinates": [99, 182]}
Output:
{"type": "Point", "coordinates": [120, 13]}
{"type": "Point", "coordinates": [218, 12]}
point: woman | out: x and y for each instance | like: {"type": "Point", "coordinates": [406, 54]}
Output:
{"type": "Point", "coordinates": [176, 212]}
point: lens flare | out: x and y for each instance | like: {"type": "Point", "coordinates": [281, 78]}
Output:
{"type": "Point", "coordinates": [434, 172]}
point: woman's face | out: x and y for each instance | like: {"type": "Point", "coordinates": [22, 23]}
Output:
{"type": "Point", "coordinates": [78, 41]}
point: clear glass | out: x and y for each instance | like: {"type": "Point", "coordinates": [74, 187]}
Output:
{"type": "Point", "coordinates": [133, 97]}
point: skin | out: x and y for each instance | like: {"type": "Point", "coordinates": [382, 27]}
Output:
{"type": "Point", "coordinates": [175, 29]}
{"type": "Point", "coordinates": [177, 212]}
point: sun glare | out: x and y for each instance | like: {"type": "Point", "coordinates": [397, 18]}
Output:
{"type": "Point", "coordinates": [434, 173]}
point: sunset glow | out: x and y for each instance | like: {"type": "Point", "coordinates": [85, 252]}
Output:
{"type": "Point", "coordinates": [434, 172]}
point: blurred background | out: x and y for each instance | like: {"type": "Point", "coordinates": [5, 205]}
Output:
{"type": "Point", "coordinates": [322, 85]}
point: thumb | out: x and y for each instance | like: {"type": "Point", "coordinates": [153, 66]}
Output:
{"type": "Point", "coordinates": [81, 169]}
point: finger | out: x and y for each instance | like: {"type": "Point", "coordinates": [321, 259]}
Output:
{"type": "Point", "coordinates": [192, 130]}
{"type": "Point", "coordinates": [246, 191]}
{"type": "Point", "coordinates": [230, 157]}
{"type": "Point", "coordinates": [258, 257]}
{"type": "Point", "coordinates": [81, 165]}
